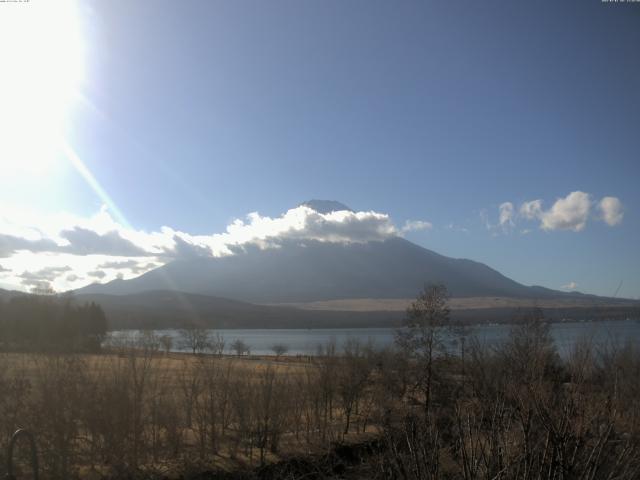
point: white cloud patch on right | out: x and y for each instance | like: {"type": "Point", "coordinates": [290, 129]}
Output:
{"type": "Point", "coordinates": [612, 211]}
{"type": "Point", "coordinates": [570, 213]}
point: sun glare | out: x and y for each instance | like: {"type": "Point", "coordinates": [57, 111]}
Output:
{"type": "Point", "coordinates": [41, 52]}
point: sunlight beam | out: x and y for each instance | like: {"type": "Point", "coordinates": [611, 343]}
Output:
{"type": "Point", "coordinates": [91, 180]}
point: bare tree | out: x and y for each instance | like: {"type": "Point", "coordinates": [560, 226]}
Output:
{"type": "Point", "coordinates": [529, 352]}
{"type": "Point", "coordinates": [353, 376]}
{"type": "Point", "coordinates": [240, 347]}
{"type": "Point", "coordinates": [423, 337]}
{"type": "Point", "coordinates": [148, 341]}
{"type": "Point", "coordinates": [217, 344]}
{"type": "Point", "coordinates": [167, 342]}
{"type": "Point", "coordinates": [279, 349]}
{"type": "Point", "coordinates": [270, 405]}
{"type": "Point", "coordinates": [324, 386]}
{"type": "Point", "coordinates": [194, 339]}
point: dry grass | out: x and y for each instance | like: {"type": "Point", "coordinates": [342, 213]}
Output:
{"type": "Point", "coordinates": [457, 303]}
{"type": "Point", "coordinates": [495, 413]}
{"type": "Point", "coordinates": [135, 409]}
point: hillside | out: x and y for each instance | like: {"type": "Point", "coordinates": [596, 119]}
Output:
{"type": "Point", "coordinates": [170, 309]}
{"type": "Point", "coordinates": [302, 270]}
{"type": "Point", "coordinates": [314, 271]}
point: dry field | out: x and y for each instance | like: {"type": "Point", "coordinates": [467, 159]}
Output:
{"type": "Point", "coordinates": [492, 413]}
{"type": "Point", "coordinates": [101, 415]}
{"type": "Point", "coordinates": [457, 303]}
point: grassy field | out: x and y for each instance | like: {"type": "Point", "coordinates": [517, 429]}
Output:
{"type": "Point", "coordinates": [136, 409]}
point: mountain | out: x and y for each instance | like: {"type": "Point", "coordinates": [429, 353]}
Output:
{"type": "Point", "coordinates": [395, 268]}
{"type": "Point", "coordinates": [311, 270]}
{"type": "Point", "coordinates": [325, 206]}
{"type": "Point", "coordinates": [171, 309]}
{"type": "Point", "coordinates": [8, 294]}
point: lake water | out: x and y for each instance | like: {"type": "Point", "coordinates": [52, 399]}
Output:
{"type": "Point", "coordinates": [305, 342]}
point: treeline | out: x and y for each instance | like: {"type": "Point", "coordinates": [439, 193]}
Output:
{"type": "Point", "coordinates": [46, 323]}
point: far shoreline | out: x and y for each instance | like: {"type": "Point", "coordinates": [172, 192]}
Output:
{"type": "Point", "coordinates": [630, 316]}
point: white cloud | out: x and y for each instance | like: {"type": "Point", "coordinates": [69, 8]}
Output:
{"type": "Point", "coordinates": [99, 247]}
{"type": "Point", "coordinates": [47, 273]}
{"type": "Point", "coordinates": [531, 210]}
{"type": "Point", "coordinates": [568, 213]}
{"type": "Point", "coordinates": [42, 279]}
{"type": "Point", "coordinates": [133, 265]}
{"type": "Point", "coordinates": [611, 209]}
{"type": "Point", "coordinates": [303, 223]}
{"type": "Point", "coordinates": [416, 225]}
{"type": "Point", "coordinates": [36, 285]}
{"type": "Point", "coordinates": [506, 219]}
{"type": "Point", "coordinates": [484, 218]}
{"type": "Point", "coordinates": [84, 241]}
{"type": "Point", "coordinates": [97, 274]}
{"type": "Point", "coordinates": [456, 228]}
{"type": "Point", "coordinates": [570, 286]}
{"type": "Point", "coordinates": [506, 213]}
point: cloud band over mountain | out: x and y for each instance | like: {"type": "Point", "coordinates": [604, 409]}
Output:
{"type": "Point", "coordinates": [66, 252]}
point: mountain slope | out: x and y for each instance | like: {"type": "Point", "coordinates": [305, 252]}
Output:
{"type": "Point", "coordinates": [312, 271]}
{"type": "Point", "coordinates": [170, 309]}
{"type": "Point", "coordinates": [8, 294]}
{"type": "Point", "coordinates": [326, 206]}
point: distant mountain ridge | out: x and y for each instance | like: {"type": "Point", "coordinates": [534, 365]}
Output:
{"type": "Point", "coordinates": [312, 270]}
{"type": "Point", "coordinates": [325, 206]}
{"type": "Point", "coordinates": [161, 309]}
{"type": "Point", "coordinates": [314, 284]}
{"type": "Point", "coordinates": [171, 309]}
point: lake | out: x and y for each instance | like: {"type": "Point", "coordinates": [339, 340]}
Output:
{"type": "Point", "coordinates": [305, 342]}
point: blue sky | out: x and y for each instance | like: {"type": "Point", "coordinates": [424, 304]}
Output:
{"type": "Point", "coordinates": [193, 114]}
